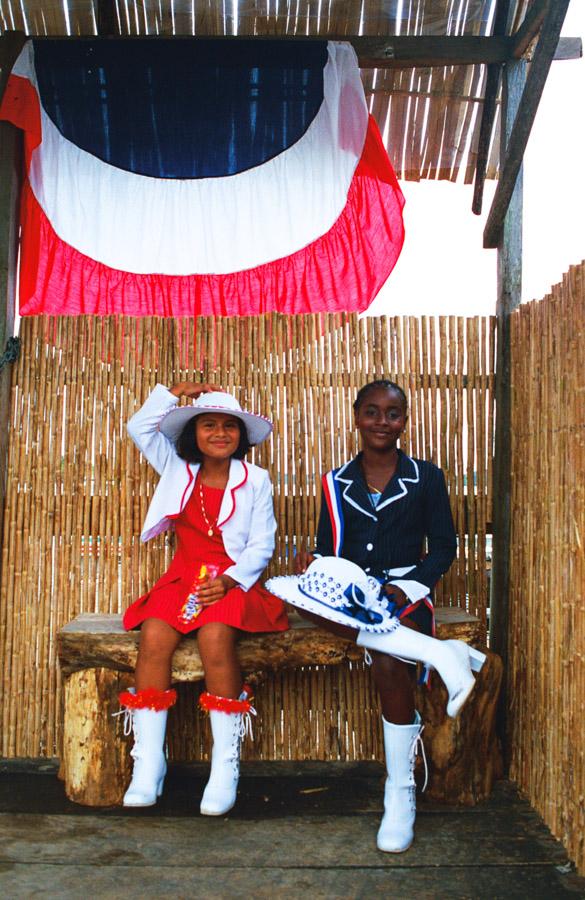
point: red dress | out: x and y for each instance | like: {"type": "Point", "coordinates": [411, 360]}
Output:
{"type": "Point", "coordinates": [252, 610]}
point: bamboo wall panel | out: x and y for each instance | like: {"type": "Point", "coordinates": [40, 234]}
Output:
{"type": "Point", "coordinates": [79, 490]}
{"type": "Point", "coordinates": [546, 674]}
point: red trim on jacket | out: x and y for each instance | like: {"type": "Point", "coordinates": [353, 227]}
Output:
{"type": "Point", "coordinates": [233, 491]}
{"type": "Point", "coordinates": [181, 504]}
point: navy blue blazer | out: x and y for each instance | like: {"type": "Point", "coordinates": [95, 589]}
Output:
{"type": "Point", "coordinates": [391, 535]}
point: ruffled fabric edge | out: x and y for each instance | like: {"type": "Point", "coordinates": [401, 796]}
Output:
{"type": "Point", "coordinates": [342, 270]}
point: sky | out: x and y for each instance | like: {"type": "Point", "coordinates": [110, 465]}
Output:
{"type": "Point", "coordinates": [443, 268]}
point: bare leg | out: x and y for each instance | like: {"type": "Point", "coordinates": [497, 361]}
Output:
{"type": "Point", "coordinates": [394, 681]}
{"type": "Point", "coordinates": [393, 678]}
{"type": "Point", "coordinates": [158, 642]}
{"type": "Point", "coordinates": [217, 648]}
{"type": "Point", "coordinates": [223, 678]}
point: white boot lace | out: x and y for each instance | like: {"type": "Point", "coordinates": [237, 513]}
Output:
{"type": "Point", "coordinates": [127, 721]}
{"type": "Point", "coordinates": [416, 746]}
{"type": "Point", "coordinates": [242, 730]}
{"type": "Point", "coordinates": [245, 729]}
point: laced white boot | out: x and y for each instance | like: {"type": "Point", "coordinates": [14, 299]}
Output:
{"type": "Point", "coordinates": [149, 727]}
{"type": "Point", "coordinates": [396, 831]}
{"type": "Point", "coordinates": [228, 728]}
{"type": "Point", "coordinates": [453, 660]}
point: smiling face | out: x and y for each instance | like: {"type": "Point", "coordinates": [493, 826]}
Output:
{"type": "Point", "coordinates": [217, 435]}
{"type": "Point", "coordinates": [381, 419]}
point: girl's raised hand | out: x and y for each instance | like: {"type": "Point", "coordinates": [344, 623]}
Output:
{"type": "Point", "coordinates": [193, 390]}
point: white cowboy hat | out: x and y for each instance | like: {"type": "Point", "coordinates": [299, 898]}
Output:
{"type": "Point", "coordinates": [338, 590]}
{"type": "Point", "coordinates": [172, 423]}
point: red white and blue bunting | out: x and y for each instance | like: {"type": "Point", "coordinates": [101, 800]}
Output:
{"type": "Point", "coordinates": [258, 185]}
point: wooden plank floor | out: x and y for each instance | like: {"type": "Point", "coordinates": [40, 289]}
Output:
{"type": "Point", "coordinates": [299, 829]}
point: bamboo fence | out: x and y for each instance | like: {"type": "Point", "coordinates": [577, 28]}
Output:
{"type": "Point", "coordinates": [78, 489]}
{"type": "Point", "coordinates": [546, 672]}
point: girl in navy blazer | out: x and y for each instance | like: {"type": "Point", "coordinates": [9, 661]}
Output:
{"type": "Point", "coordinates": [220, 507]}
{"type": "Point", "coordinates": [377, 511]}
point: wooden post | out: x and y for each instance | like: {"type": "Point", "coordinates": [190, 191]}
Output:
{"type": "Point", "coordinates": [10, 169]}
{"type": "Point", "coordinates": [509, 296]}
{"type": "Point", "coordinates": [10, 178]}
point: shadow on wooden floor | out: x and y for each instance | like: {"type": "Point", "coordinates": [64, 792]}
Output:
{"type": "Point", "coordinates": [299, 830]}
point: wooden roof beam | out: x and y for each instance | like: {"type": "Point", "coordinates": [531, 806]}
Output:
{"type": "Point", "coordinates": [408, 51]}
{"type": "Point", "coordinates": [529, 28]}
{"type": "Point", "coordinates": [402, 52]}
{"type": "Point", "coordinates": [492, 86]}
{"type": "Point", "coordinates": [535, 81]}
{"type": "Point", "coordinates": [569, 48]}
{"type": "Point", "coordinates": [107, 19]}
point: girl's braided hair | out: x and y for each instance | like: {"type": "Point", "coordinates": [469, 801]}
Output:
{"type": "Point", "coordinates": [372, 386]}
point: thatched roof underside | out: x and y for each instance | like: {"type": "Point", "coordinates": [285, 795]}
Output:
{"type": "Point", "coordinates": [429, 116]}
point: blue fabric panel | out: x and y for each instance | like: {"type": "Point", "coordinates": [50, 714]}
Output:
{"type": "Point", "coordinates": [181, 108]}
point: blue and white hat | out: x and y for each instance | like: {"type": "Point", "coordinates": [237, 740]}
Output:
{"type": "Point", "coordinates": [338, 590]}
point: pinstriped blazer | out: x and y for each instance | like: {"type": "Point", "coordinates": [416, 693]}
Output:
{"type": "Point", "coordinates": [388, 540]}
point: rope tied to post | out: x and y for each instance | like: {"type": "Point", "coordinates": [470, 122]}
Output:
{"type": "Point", "coordinates": [11, 353]}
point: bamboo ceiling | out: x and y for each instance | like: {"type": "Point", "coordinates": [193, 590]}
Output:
{"type": "Point", "coordinates": [429, 116]}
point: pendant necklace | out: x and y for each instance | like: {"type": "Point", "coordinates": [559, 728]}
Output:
{"type": "Point", "coordinates": [210, 525]}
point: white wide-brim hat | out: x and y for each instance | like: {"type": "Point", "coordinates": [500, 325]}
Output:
{"type": "Point", "coordinates": [338, 590]}
{"type": "Point", "coordinates": [172, 423]}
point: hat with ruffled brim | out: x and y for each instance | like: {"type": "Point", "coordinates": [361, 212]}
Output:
{"type": "Point", "coordinates": [338, 590]}
{"type": "Point", "coordinates": [258, 428]}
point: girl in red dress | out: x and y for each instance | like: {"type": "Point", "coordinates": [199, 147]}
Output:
{"type": "Point", "coordinates": [221, 509]}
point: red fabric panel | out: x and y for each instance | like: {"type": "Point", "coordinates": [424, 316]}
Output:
{"type": "Point", "coordinates": [20, 105]}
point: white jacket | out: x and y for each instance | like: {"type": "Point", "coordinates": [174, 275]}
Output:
{"type": "Point", "coordinates": [246, 517]}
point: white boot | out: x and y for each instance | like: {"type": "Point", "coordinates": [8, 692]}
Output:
{"type": "Point", "coordinates": [396, 831]}
{"type": "Point", "coordinates": [453, 660]}
{"type": "Point", "coordinates": [230, 722]}
{"type": "Point", "coordinates": [149, 727]}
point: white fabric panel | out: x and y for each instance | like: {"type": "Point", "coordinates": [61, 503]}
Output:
{"type": "Point", "coordinates": [208, 225]}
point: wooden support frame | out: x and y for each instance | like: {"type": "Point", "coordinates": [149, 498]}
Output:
{"type": "Point", "coordinates": [11, 161]}
{"type": "Point", "coordinates": [567, 48]}
{"type": "Point", "coordinates": [509, 297]}
{"type": "Point", "coordinates": [524, 119]}
{"type": "Point", "coordinates": [529, 28]}
{"type": "Point", "coordinates": [399, 52]}
{"type": "Point", "coordinates": [489, 111]}
{"type": "Point", "coordinates": [107, 19]}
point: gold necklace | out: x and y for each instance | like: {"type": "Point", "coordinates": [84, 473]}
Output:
{"type": "Point", "coordinates": [210, 526]}
{"type": "Point", "coordinates": [373, 489]}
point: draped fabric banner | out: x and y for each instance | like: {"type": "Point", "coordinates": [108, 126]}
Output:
{"type": "Point", "coordinates": [183, 178]}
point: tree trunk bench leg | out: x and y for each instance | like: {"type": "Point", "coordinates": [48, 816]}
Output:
{"type": "Point", "coordinates": [96, 764]}
{"type": "Point", "coordinates": [464, 754]}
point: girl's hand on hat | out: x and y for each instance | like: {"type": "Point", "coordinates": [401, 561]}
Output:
{"type": "Point", "coordinates": [193, 390]}
{"type": "Point", "coordinates": [397, 595]}
{"type": "Point", "coordinates": [212, 590]}
{"type": "Point", "coordinates": [303, 560]}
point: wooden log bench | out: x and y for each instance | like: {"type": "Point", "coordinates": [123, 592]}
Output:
{"type": "Point", "coordinates": [98, 657]}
